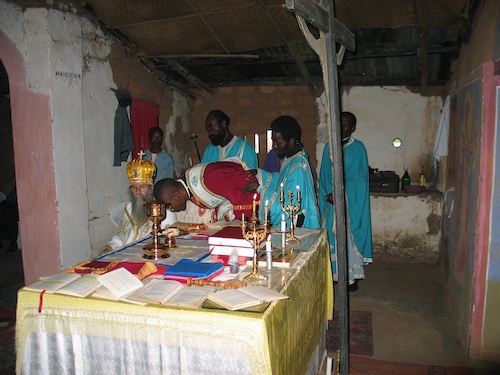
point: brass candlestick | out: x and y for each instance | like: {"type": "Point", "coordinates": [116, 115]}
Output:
{"type": "Point", "coordinates": [156, 213]}
{"type": "Point", "coordinates": [291, 210]}
{"type": "Point", "coordinates": [255, 235]}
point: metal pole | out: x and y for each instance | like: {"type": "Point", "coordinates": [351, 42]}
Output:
{"type": "Point", "coordinates": [193, 137]}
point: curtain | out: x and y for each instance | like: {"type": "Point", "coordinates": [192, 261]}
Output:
{"type": "Point", "coordinates": [144, 117]}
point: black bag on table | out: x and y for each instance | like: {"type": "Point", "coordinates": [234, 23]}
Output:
{"type": "Point", "coordinates": [384, 182]}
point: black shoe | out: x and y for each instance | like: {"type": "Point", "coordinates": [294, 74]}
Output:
{"type": "Point", "coordinates": [353, 287]}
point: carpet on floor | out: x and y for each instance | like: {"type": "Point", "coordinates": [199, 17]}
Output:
{"type": "Point", "coordinates": [360, 333]}
{"type": "Point", "coordinates": [362, 365]}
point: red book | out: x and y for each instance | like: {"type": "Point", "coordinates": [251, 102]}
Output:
{"type": "Point", "coordinates": [229, 236]}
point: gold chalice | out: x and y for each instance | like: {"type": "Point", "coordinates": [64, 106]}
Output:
{"type": "Point", "coordinates": [156, 213]}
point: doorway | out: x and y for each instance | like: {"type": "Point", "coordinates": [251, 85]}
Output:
{"type": "Point", "coordinates": [11, 267]}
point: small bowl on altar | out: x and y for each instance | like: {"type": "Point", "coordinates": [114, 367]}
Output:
{"type": "Point", "coordinates": [413, 189]}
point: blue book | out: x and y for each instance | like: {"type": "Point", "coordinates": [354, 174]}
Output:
{"type": "Point", "coordinates": [190, 268]}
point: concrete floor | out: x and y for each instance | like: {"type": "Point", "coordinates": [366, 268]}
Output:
{"type": "Point", "coordinates": [411, 322]}
{"type": "Point", "coordinates": [410, 319]}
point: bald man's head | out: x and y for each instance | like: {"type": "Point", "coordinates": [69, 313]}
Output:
{"type": "Point", "coordinates": [172, 193]}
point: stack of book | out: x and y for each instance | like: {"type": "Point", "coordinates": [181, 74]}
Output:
{"type": "Point", "coordinates": [189, 268]}
{"type": "Point", "coordinates": [222, 243]}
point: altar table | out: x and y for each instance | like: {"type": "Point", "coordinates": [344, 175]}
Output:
{"type": "Point", "coordinates": [89, 336]}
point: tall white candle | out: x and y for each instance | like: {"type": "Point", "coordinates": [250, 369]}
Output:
{"type": "Point", "coordinates": [283, 231]}
{"type": "Point", "coordinates": [282, 191]}
{"type": "Point", "coordinates": [269, 253]}
{"type": "Point", "coordinates": [298, 193]}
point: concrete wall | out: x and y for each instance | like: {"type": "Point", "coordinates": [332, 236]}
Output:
{"type": "Point", "coordinates": [407, 227]}
{"type": "Point", "coordinates": [61, 69]}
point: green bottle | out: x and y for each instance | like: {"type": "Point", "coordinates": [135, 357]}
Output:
{"type": "Point", "coordinates": [405, 180]}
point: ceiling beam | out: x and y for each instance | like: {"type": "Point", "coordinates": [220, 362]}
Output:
{"type": "Point", "coordinates": [318, 16]}
{"type": "Point", "coordinates": [184, 73]}
{"type": "Point", "coordinates": [209, 56]}
{"type": "Point", "coordinates": [299, 61]}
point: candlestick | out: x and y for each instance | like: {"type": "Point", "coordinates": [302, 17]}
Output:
{"type": "Point", "coordinates": [255, 235]}
{"type": "Point", "coordinates": [291, 210]}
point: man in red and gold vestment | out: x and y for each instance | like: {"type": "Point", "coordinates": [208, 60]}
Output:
{"type": "Point", "coordinates": [218, 185]}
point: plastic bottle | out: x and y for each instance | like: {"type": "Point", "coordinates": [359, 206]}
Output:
{"type": "Point", "coordinates": [422, 180]}
{"type": "Point", "coordinates": [234, 264]}
{"type": "Point", "coordinates": [405, 180]}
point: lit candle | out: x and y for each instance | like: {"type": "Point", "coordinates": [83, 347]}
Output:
{"type": "Point", "coordinates": [282, 192]}
{"type": "Point", "coordinates": [298, 193]}
{"type": "Point", "coordinates": [283, 231]}
{"type": "Point", "coordinates": [269, 253]}
{"type": "Point", "coordinates": [266, 210]}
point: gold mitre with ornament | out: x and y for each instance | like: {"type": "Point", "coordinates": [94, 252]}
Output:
{"type": "Point", "coordinates": [141, 171]}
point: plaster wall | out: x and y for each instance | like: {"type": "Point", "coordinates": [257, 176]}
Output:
{"type": "Point", "coordinates": [384, 113]}
{"type": "Point", "coordinates": [61, 76]}
{"type": "Point", "coordinates": [32, 138]}
{"type": "Point", "coordinates": [65, 57]}
{"type": "Point", "coordinates": [407, 227]}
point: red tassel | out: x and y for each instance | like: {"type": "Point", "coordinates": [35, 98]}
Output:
{"type": "Point", "coordinates": [40, 304]}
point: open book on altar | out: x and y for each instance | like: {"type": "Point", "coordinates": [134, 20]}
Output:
{"type": "Point", "coordinates": [235, 299]}
{"type": "Point", "coordinates": [172, 293]}
{"type": "Point", "coordinates": [68, 284]}
{"type": "Point", "coordinates": [51, 284]}
{"type": "Point", "coordinates": [118, 285]}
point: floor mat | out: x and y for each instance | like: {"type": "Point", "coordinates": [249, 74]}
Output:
{"type": "Point", "coordinates": [360, 365]}
{"type": "Point", "coordinates": [360, 333]}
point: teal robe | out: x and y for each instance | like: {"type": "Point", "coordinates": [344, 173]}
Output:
{"type": "Point", "coordinates": [237, 147]}
{"type": "Point", "coordinates": [294, 172]}
{"type": "Point", "coordinates": [358, 221]}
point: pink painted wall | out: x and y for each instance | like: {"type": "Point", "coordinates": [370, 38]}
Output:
{"type": "Point", "coordinates": [34, 164]}
{"type": "Point", "coordinates": [482, 245]}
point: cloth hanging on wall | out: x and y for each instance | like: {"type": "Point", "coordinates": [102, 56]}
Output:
{"type": "Point", "coordinates": [144, 116]}
{"type": "Point", "coordinates": [441, 142]}
{"type": "Point", "coordinates": [124, 141]}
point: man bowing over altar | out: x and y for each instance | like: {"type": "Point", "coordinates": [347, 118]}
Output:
{"type": "Point", "coordinates": [219, 185]}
